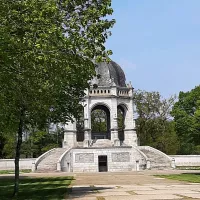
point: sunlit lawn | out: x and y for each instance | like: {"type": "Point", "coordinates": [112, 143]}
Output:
{"type": "Point", "coordinates": [12, 171]}
{"type": "Point", "coordinates": [44, 188]}
{"type": "Point", "coordinates": [189, 177]}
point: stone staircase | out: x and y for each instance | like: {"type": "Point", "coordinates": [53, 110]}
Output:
{"type": "Point", "coordinates": [158, 159]}
{"type": "Point", "coordinates": [49, 163]}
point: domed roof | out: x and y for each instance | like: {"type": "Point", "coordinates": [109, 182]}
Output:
{"type": "Point", "coordinates": [110, 73]}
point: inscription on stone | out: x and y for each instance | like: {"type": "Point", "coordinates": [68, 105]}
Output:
{"type": "Point", "coordinates": [121, 157]}
{"type": "Point", "coordinates": [84, 158]}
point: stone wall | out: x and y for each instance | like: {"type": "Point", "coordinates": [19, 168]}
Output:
{"type": "Point", "coordinates": [186, 160]}
{"type": "Point", "coordinates": [86, 159]}
{"type": "Point", "coordinates": [8, 164]}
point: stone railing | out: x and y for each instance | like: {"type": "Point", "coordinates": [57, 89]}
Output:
{"type": "Point", "coordinates": [144, 161]}
{"type": "Point", "coordinates": [156, 159]}
{"type": "Point", "coordinates": [40, 158]}
{"type": "Point", "coordinates": [61, 161]}
{"type": "Point", "coordinates": [99, 92]}
{"type": "Point", "coordinates": [123, 92]}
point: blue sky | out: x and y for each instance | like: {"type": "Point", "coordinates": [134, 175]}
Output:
{"type": "Point", "coordinates": [157, 43]}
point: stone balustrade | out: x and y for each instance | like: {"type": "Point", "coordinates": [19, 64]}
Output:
{"type": "Point", "coordinates": [122, 92]}
{"type": "Point", "coordinates": [99, 92]}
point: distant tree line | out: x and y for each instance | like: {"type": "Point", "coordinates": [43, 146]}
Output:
{"type": "Point", "coordinates": [170, 125]}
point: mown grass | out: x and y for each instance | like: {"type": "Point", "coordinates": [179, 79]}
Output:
{"type": "Point", "coordinates": [188, 168]}
{"type": "Point", "coordinates": [12, 171]}
{"type": "Point", "coordinates": [189, 177]}
{"type": "Point", "coordinates": [44, 188]}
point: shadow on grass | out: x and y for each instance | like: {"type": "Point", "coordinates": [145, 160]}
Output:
{"type": "Point", "coordinates": [54, 188]}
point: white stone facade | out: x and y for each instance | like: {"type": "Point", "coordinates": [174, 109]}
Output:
{"type": "Point", "coordinates": [108, 153]}
{"type": "Point", "coordinates": [118, 159]}
{"type": "Point", "coordinates": [111, 98]}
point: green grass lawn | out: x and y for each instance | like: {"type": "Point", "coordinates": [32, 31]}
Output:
{"type": "Point", "coordinates": [188, 168]}
{"type": "Point", "coordinates": [45, 188]}
{"type": "Point", "coordinates": [189, 177]}
{"type": "Point", "coordinates": [12, 171]}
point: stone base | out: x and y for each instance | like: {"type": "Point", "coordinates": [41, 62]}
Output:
{"type": "Point", "coordinates": [102, 143]}
{"type": "Point", "coordinates": [116, 142]}
{"type": "Point", "coordinates": [130, 137]}
{"type": "Point", "coordinates": [86, 143]}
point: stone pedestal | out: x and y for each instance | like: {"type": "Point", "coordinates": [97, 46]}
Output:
{"type": "Point", "coordinates": [70, 139]}
{"type": "Point", "coordinates": [114, 137]}
{"type": "Point", "coordinates": [130, 137]}
{"type": "Point", "coordinates": [173, 164]}
{"type": "Point", "coordinates": [87, 138]}
{"type": "Point", "coordinates": [69, 135]}
{"type": "Point", "coordinates": [148, 164]}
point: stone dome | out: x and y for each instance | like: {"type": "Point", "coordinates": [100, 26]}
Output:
{"type": "Point", "coordinates": [110, 73]}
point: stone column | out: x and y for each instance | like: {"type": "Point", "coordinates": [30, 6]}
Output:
{"type": "Point", "coordinates": [70, 135]}
{"type": "Point", "coordinates": [87, 129]}
{"type": "Point", "coordinates": [130, 136]}
{"type": "Point", "coordinates": [173, 163]}
{"type": "Point", "coordinates": [114, 126]}
{"type": "Point", "coordinates": [148, 164]}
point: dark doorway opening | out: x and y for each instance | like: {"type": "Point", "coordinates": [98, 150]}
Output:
{"type": "Point", "coordinates": [103, 164]}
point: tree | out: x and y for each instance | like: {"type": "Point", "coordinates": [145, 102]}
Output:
{"type": "Point", "coordinates": [186, 113]}
{"type": "Point", "coordinates": [47, 49]}
{"type": "Point", "coordinates": [41, 141]}
{"type": "Point", "coordinates": [7, 144]}
{"type": "Point", "coordinates": [154, 123]}
{"type": "Point", "coordinates": [99, 121]}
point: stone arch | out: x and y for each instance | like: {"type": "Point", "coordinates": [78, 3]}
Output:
{"type": "Point", "coordinates": [124, 106]}
{"type": "Point", "coordinates": [99, 103]}
{"type": "Point", "coordinates": [100, 121]}
{"type": "Point", "coordinates": [125, 109]}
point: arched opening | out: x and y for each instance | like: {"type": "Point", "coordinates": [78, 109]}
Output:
{"type": "Point", "coordinates": [100, 122]}
{"type": "Point", "coordinates": [121, 121]}
{"type": "Point", "coordinates": [80, 126]}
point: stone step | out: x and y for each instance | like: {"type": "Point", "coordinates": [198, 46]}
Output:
{"type": "Point", "coordinates": [157, 159]}
{"type": "Point", "coordinates": [50, 162]}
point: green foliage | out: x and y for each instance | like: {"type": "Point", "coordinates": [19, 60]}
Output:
{"type": "Point", "coordinates": [186, 113]}
{"type": "Point", "coordinates": [12, 171]}
{"type": "Point", "coordinates": [154, 123]}
{"type": "Point", "coordinates": [120, 120]}
{"type": "Point", "coordinates": [43, 71]}
{"type": "Point", "coordinates": [38, 142]}
{"type": "Point", "coordinates": [47, 54]}
{"type": "Point", "coordinates": [7, 145]}
{"type": "Point", "coordinates": [99, 121]}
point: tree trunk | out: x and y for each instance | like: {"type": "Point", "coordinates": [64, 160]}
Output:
{"type": "Point", "coordinates": [17, 155]}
